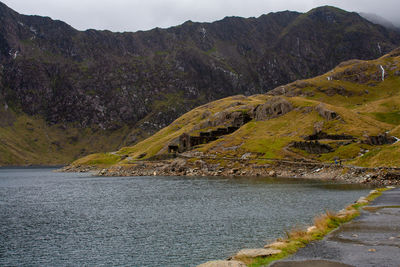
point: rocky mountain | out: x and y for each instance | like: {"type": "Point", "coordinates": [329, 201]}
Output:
{"type": "Point", "coordinates": [137, 83]}
{"type": "Point", "coordinates": [351, 113]}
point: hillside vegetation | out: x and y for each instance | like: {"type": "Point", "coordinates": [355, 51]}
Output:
{"type": "Point", "coordinates": [30, 140]}
{"type": "Point", "coordinates": [351, 113]}
{"type": "Point", "coordinates": [145, 80]}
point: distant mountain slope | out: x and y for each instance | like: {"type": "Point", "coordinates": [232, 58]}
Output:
{"type": "Point", "coordinates": [350, 113]}
{"type": "Point", "coordinates": [144, 80]}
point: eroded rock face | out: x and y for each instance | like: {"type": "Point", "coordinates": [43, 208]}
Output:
{"type": "Point", "coordinates": [275, 107]}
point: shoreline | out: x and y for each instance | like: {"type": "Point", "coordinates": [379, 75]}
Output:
{"type": "Point", "coordinates": [380, 176]}
{"type": "Point", "coordinates": [298, 238]}
{"type": "Point", "coordinates": [58, 166]}
{"type": "Point", "coordinates": [281, 248]}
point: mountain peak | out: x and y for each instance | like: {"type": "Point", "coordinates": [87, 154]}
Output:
{"type": "Point", "coordinates": [142, 81]}
{"type": "Point", "coordinates": [328, 14]}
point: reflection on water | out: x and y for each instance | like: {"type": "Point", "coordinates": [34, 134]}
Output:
{"type": "Point", "coordinates": [64, 219]}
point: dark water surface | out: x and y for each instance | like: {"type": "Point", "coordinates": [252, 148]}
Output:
{"type": "Point", "coordinates": [70, 219]}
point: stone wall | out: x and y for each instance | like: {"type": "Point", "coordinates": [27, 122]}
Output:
{"type": "Point", "coordinates": [322, 135]}
{"type": "Point", "coordinates": [313, 147]}
{"type": "Point", "coordinates": [382, 139]}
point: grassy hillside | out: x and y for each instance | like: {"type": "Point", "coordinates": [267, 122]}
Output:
{"type": "Point", "coordinates": [365, 98]}
{"type": "Point", "coordinates": [29, 140]}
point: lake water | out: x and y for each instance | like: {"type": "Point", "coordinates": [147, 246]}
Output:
{"type": "Point", "coordinates": [70, 219]}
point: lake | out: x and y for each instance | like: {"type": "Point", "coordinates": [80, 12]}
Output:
{"type": "Point", "coordinates": [76, 219]}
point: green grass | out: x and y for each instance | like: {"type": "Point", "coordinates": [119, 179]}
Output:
{"type": "Point", "coordinates": [385, 156]}
{"type": "Point", "coordinates": [389, 117]}
{"type": "Point", "coordinates": [346, 152]}
{"type": "Point", "coordinates": [31, 141]}
{"type": "Point", "coordinates": [99, 159]}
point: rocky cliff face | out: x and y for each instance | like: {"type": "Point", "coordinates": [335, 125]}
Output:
{"type": "Point", "coordinates": [145, 80]}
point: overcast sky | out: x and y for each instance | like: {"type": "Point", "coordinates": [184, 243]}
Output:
{"type": "Point", "coordinates": [133, 15]}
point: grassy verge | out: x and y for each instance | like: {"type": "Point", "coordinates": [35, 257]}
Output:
{"type": "Point", "coordinates": [323, 224]}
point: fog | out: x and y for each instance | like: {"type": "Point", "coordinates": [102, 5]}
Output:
{"type": "Point", "coordinates": [134, 15]}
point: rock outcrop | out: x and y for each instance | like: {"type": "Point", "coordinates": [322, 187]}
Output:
{"type": "Point", "coordinates": [147, 79]}
{"type": "Point", "coordinates": [274, 107]}
{"type": "Point", "coordinates": [326, 113]}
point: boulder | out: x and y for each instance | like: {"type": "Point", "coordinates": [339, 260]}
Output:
{"type": "Point", "coordinates": [178, 163]}
{"type": "Point", "coordinates": [326, 113]}
{"type": "Point", "coordinates": [272, 174]}
{"type": "Point", "coordinates": [318, 127]}
{"type": "Point", "coordinates": [274, 107]}
{"type": "Point", "coordinates": [220, 263]}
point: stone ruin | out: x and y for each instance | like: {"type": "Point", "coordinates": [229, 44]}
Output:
{"type": "Point", "coordinates": [322, 135]}
{"type": "Point", "coordinates": [173, 148]}
{"type": "Point", "coordinates": [382, 139]}
{"type": "Point", "coordinates": [313, 147]}
{"type": "Point", "coordinates": [187, 142]}
{"type": "Point", "coordinates": [274, 107]}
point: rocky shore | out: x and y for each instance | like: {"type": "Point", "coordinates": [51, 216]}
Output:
{"type": "Point", "coordinates": [186, 166]}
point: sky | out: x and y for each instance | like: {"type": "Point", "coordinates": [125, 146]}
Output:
{"type": "Point", "coordinates": [134, 15]}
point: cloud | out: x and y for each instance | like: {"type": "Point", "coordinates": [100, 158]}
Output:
{"type": "Point", "coordinates": [133, 15]}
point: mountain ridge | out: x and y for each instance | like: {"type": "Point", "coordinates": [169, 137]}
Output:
{"type": "Point", "coordinates": [349, 113]}
{"type": "Point", "coordinates": [99, 80]}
